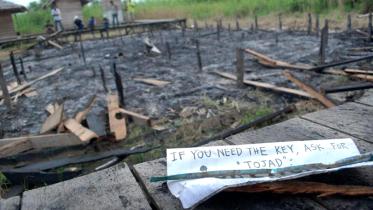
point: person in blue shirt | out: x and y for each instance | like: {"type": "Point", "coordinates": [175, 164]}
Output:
{"type": "Point", "coordinates": [92, 25]}
{"type": "Point", "coordinates": [105, 28]}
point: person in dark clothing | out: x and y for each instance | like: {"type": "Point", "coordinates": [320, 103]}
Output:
{"type": "Point", "coordinates": [79, 27]}
{"type": "Point", "coordinates": [92, 25]}
{"type": "Point", "coordinates": [105, 28]}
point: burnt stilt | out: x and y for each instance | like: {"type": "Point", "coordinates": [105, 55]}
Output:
{"type": "Point", "coordinates": [15, 70]}
{"type": "Point", "coordinates": [240, 67]}
{"type": "Point", "coordinates": [199, 59]}
{"type": "Point", "coordinates": [4, 89]}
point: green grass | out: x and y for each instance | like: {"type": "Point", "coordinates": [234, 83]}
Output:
{"type": "Point", "coordinates": [251, 115]}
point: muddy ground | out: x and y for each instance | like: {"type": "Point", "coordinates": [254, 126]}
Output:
{"type": "Point", "coordinates": [195, 105]}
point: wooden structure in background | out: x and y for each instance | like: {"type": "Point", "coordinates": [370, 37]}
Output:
{"type": "Point", "coordinates": [8, 8]}
{"type": "Point", "coordinates": [69, 9]}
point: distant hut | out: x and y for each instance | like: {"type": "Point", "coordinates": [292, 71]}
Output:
{"type": "Point", "coordinates": [6, 22]}
{"type": "Point", "coordinates": [69, 9]}
{"type": "Point", "coordinates": [106, 6]}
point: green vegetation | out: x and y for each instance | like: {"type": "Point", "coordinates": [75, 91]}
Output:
{"type": "Point", "coordinates": [35, 19]}
{"type": "Point", "coordinates": [3, 183]}
{"type": "Point", "coordinates": [251, 115]}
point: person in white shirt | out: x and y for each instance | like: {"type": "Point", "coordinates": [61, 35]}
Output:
{"type": "Point", "coordinates": [114, 12]}
{"type": "Point", "coordinates": [56, 14]}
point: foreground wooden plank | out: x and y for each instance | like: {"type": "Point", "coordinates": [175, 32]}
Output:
{"type": "Point", "coordinates": [138, 118]}
{"type": "Point", "coordinates": [320, 97]}
{"type": "Point", "coordinates": [53, 120]}
{"type": "Point", "coordinates": [352, 118]}
{"type": "Point", "coordinates": [112, 188]}
{"type": "Point", "coordinates": [76, 128]}
{"type": "Point", "coordinates": [12, 203]}
{"type": "Point", "coordinates": [267, 85]}
{"type": "Point", "coordinates": [13, 146]}
{"type": "Point", "coordinates": [154, 82]}
{"type": "Point", "coordinates": [117, 126]}
{"type": "Point", "coordinates": [358, 71]}
{"type": "Point", "coordinates": [80, 116]}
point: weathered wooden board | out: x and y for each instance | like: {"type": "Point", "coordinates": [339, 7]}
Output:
{"type": "Point", "coordinates": [112, 188]}
{"type": "Point", "coordinates": [367, 98]}
{"type": "Point", "coordinates": [155, 82]}
{"type": "Point", "coordinates": [53, 120]}
{"type": "Point", "coordinates": [162, 198]}
{"type": "Point", "coordinates": [10, 203]}
{"type": "Point", "coordinates": [80, 131]}
{"type": "Point", "coordinates": [351, 118]}
{"type": "Point", "coordinates": [117, 126]}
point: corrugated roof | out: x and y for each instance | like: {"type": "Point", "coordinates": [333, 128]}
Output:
{"type": "Point", "coordinates": [11, 7]}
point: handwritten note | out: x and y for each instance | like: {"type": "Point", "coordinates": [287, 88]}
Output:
{"type": "Point", "coordinates": [258, 156]}
{"type": "Point", "coordinates": [252, 156]}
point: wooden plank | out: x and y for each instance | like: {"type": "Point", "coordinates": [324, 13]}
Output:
{"type": "Point", "coordinates": [54, 44]}
{"type": "Point", "coordinates": [367, 98]}
{"type": "Point", "coordinates": [52, 121]}
{"type": "Point", "coordinates": [358, 71]}
{"type": "Point", "coordinates": [351, 118]}
{"type": "Point", "coordinates": [138, 118]}
{"type": "Point", "coordinates": [267, 85]}
{"type": "Point", "coordinates": [15, 148]}
{"type": "Point", "coordinates": [80, 131]}
{"type": "Point", "coordinates": [50, 108]}
{"type": "Point", "coordinates": [80, 116]}
{"type": "Point", "coordinates": [12, 203]}
{"type": "Point", "coordinates": [46, 141]}
{"type": "Point", "coordinates": [117, 126]}
{"type": "Point", "coordinates": [357, 76]}
{"type": "Point", "coordinates": [267, 61]}
{"type": "Point", "coordinates": [320, 97]}
{"type": "Point", "coordinates": [155, 82]}
{"type": "Point", "coordinates": [161, 198]}
{"type": "Point", "coordinates": [28, 84]}
{"type": "Point", "coordinates": [112, 188]}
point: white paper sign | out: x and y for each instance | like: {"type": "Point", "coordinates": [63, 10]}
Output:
{"type": "Point", "coordinates": [244, 157]}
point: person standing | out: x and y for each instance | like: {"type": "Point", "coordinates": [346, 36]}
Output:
{"type": "Point", "coordinates": [56, 14]}
{"type": "Point", "coordinates": [114, 12]}
{"type": "Point", "coordinates": [79, 28]}
{"type": "Point", "coordinates": [92, 25]}
{"type": "Point", "coordinates": [105, 28]}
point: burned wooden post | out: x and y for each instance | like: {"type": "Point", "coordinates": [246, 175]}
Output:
{"type": "Point", "coordinates": [118, 84]}
{"type": "Point", "coordinates": [82, 51]}
{"type": "Point", "coordinates": [4, 89]}
{"type": "Point", "coordinates": [256, 23]}
{"type": "Point", "coordinates": [370, 28]}
{"type": "Point", "coordinates": [199, 59]}
{"type": "Point", "coordinates": [280, 22]}
{"type": "Point", "coordinates": [240, 67]}
{"type": "Point", "coordinates": [168, 48]}
{"type": "Point", "coordinates": [237, 24]}
{"type": "Point", "coordinates": [22, 68]}
{"type": "Point", "coordinates": [195, 24]}
{"type": "Point", "coordinates": [317, 25]}
{"type": "Point", "coordinates": [218, 30]}
{"type": "Point", "coordinates": [309, 27]}
{"type": "Point", "coordinates": [183, 30]}
{"type": "Point", "coordinates": [206, 25]}
{"type": "Point", "coordinates": [102, 73]}
{"type": "Point", "coordinates": [324, 42]}
{"type": "Point", "coordinates": [15, 70]}
{"type": "Point", "coordinates": [349, 23]}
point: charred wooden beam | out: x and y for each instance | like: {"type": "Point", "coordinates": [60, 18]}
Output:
{"type": "Point", "coordinates": [319, 96]}
{"type": "Point", "coordinates": [349, 23]}
{"type": "Point", "coordinates": [199, 58]}
{"type": "Point", "coordinates": [240, 67]}
{"type": "Point", "coordinates": [321, 67]}
{"type": "Point", "coordinates": [118, 84]}
{"type": "Point", "coordinates": [344, 88]}
{"type": "Point", "coordinates": [309, 26]}
{"type": "Point", "coordinates": [4, 89]}
{"type": "Point", "coordinates": [317, 25]}
{"type": "Point", "coordinates": [256, 23]}
{"type": "Point", "coordinates": [15, 70]}
{"type": "Point", "coordinates": [280, 22]}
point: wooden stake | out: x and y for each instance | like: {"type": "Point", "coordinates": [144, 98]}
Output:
{"type": "Point", "coordinates": [279, 22]}
{"type": "Point", "coordinates": [199, 59]}
{"type": "Point", "coordinates": [119, 84]}
{"type": "Point", "coordinates": [349, 23]}
{"type": "Point", "coordinates": [370, 28]}
{"type": "Point", "coordinates": [317, 25]}
{"type": "Point", "coordinates": [240, 67]}
{"type": "Point", "coordinates": [22, 68]}
{"type": "Point", "coordinates": [320, 97]}
{"type": "Point", "coordinates": [15, 70]}
{"type": "Point", "coordinates": [4, 89]}
{"type": "Point", "coordinates": [256, 23]}
{"type": "Point", "coordinates": [168, 50]}
{"type": "Point", "coordinates": [324, 42]}
{"type": "Point", "coordinates": [82, 50]}
{"type": "Point", "coordinates": [237, 24]}
{"type": "Point", "coordinates": [102, 73]}
{"type": "Point", "coordinates": [309, 28]}
{"type": "Point", "coordinates": [218, 30]}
